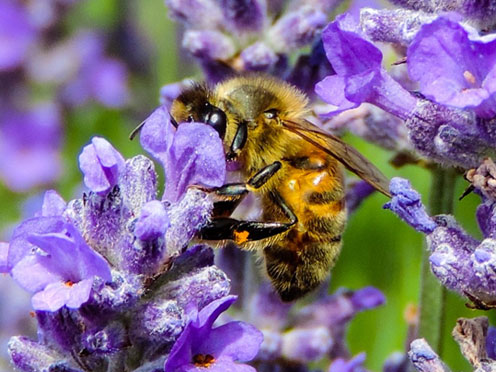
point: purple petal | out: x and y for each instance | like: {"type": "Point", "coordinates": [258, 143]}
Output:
{"type": "Point", "coordinates": [157, 134]}
{"type": "Point", "coordinates": [19, 244]}
{"type": "Point", "coordinates": [181, 355]}
{"type": "Point", "coordinates": [332, 90]}
{"type": "Point", "coordinates": [53, 204]}
{"type": "Point", "coordinates": [101, 164]}
{"type": "Point", "coordinates": [304, 345]}
{"type": "Point", "coordinates": [237, 341]}
{"type": "Point", "coordinates": [367, 298]}
{"type": "Point", "coordinates": [32, 274]}
{"type": "Point", "coordinates": [153, 221]}
{"type": "Point", "coordinates": [407, 205]}
{"type": "Point", "coordinates": [70, 256]}
{"type": "Point", "coordinates": [348, 52]}
{"type": "Point", "coordinates": [196, 157]}
{"type": "Point", "coordinates": [360, 76]}
{"type": "Point", "coordinates": [55, 295]}
{"type": "Point", "coordinates": [451, 63]}
{"type": "Point", "coordinates": [352, 365]}
{"type": "Point", "coordinates": [208, 315]}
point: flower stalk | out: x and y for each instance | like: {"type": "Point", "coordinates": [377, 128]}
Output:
{"type": "Point", "coordinates": [432, 293]}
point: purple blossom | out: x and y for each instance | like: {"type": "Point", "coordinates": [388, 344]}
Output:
{"type": "Point", "coordinates": [296, 29]}
{"type": "Point", "coordinates": [169, 92]}
{"type": "Point", "coordinates": [153, 221]}
{"type": "Point", "coordinates": [16, 32]}
{"type": "Point", "coordinates": [53, 204]}
{"type": "Point", "coordinates": [51, 273]}
{"type": "Point", "coordinates": [192, 155]}
{"type": "Point", "coordinates": [258, 57]}
{"type": "Point", "coordinates": [101, 165]}
{"type": "Point", "coordinates": [214, 349]}
{"type": "Point", "coordinates": [303, 345]}
{"type": "Point", "coordinates": [353, 365]}
{"type": "Point", "coordinates": [359, 76]}
{"type": "Point", "coordinates": [29, 146]}
{"type": "Point", "coordinates": [208, 44]}
{"type": "Point", "coordinates": [407, 205]}
{"type": "Point", "coordinates": [424, 359]}
{"type": "Point", "coordinates": [243, 16]}
{"type": "Point", "coordinates": [454, 65]}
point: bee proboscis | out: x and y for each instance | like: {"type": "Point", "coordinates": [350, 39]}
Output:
{"type": "Point", "coordinates": [293, 166]}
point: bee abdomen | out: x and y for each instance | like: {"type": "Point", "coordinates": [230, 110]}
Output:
{"type": "Point", "coordinates": [294, 273]}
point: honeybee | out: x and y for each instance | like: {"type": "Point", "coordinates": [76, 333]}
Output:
{"type": "Point", "coordinates": [294, 168]}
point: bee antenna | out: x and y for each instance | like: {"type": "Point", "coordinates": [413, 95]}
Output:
{"type": "Point", "coordinates": [136, 130]}
{"type": "Point", "coordinates": [173, 121]}
{"type": "Point", "coordinates": [467, 191]}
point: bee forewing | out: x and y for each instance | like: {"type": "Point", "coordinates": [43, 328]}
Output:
{"type": "Point", "coordinates": [346, 154]}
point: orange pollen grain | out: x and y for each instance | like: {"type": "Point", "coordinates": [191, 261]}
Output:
{"type": "Point", "coordinates": [203, 360]}
{"type": "Point", "coordinates": [69, 283]}
{"type": "Point", "coordinates": [241, 236]}
{"type": "Point", "coordinates": [469, 77]}
{"type": "Point", "coordinates": [32, 314]}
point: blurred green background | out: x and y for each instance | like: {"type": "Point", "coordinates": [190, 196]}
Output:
{"type": "Point", "coordinates": [379, 249]}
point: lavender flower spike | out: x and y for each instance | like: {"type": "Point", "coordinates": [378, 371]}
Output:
{"type": "Point", "coordinates": [407, 205]}
{"type": "Point", "coordinates": [214, 349]}
{"type": "Point", "coordinates": [360, 77]}
{"type": "Point", "coordinates": [455, 66]}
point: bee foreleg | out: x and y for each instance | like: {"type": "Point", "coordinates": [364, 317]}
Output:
{"type": "Point", "coordinates": [227, 197]}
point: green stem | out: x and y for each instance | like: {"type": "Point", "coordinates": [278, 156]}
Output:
{"type": "Point", "coordinates": [432, 293]}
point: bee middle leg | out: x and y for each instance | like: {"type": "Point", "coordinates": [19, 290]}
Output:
{"type": "Point", "coordinates": [222, 227]}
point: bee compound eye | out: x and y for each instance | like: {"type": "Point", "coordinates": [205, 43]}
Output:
{"type": "Point", "coordinates": [214, 117]}
{"type": "Point", "coordinates": [271, 114]}
{"type": "Point", "coordinates": [218, 120]}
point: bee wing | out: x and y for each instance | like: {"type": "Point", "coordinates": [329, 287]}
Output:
{"type": "Point", "coordinates": [343, 152]}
